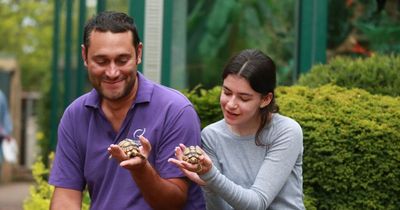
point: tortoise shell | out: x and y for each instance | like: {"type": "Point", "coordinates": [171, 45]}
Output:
{"type": "Point", "coordinates": [191, 154]}
{"type": "Point", "coordinates": [130, 148]}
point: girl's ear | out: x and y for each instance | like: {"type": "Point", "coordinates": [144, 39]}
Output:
{"type": "Point", "coordinates": [266, 100]}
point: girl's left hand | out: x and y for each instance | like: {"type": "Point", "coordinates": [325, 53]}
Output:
{"type": "Point", "coordinates": [192, 171]}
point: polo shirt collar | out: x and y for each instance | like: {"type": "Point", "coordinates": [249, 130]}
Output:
{"type": "Point", "coordinates": [145, 91]}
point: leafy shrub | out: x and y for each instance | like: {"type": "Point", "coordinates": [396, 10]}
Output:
{"type": "Point", "coordinates": [206, 103]}
{"type": "Point", "coordinates": [351, 143]}
{"type": "Point", "coordinates": [378, 74]}
{"type": "Point", "coordinates": [351, 146]}
{"type": "Point", "coordinates": [40, 194]}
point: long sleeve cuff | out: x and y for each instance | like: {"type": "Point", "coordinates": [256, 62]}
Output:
{"type": "Point", "coordinates": [210, 174]}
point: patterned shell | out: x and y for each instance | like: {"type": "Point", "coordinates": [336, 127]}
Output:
{"type": "Point", "coordinates": [130, 148]}
{"type": "Point", "coordinates": [191, 154]}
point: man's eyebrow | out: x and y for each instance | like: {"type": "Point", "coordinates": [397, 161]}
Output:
{"type": "Point", "coordinates": [99, 56]}
{"type": "Point", "coordinates": [125, 55]}
{"type": "Point", "coordinates": [118, 56]}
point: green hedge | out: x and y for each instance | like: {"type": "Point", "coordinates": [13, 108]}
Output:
{"type": "Point", "coordinates": [206, 103]}
{"type": "Point", "coordinates": [351, 143]}
{"type": "Point", "coordinates": [378, 74]}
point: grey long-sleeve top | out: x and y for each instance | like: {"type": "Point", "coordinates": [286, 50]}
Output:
{"type": "Point", "coordinates": [246, 176]}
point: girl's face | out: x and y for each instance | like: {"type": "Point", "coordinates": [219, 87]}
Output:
{"type": "Point", "coordinates": [241, 104]}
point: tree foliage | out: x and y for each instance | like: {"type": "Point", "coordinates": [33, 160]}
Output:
{"type": "Point", "coordinates": [26, 31]}
{"type": "Point", "coordinates": [362, 27]}
{"type": "Point", "coordinates": [219, 29]}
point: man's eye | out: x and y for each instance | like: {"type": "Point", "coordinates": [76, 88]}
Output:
{"type": "Point", "coordinates": [122, 61]}
{"type": "Point", "coordinates": [101, 61]}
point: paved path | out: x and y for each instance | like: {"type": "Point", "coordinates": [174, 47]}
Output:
{"type": "Point", "coordinates": [12, 195]}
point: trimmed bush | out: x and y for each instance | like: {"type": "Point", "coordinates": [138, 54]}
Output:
{"type": "Point", "coordinates": [206, 103]}
{"type": "Point", "coordinates": [351, 146]}
{"type": "Point", "coordinates": [379, 74]}
{"type": "Point", "coordinates": [351, 143]}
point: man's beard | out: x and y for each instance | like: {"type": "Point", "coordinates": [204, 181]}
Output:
{"type": "Point", "coordinates": [125, 92]}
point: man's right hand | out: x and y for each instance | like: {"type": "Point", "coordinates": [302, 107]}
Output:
{"type": "Point", "coordinates": [135, 162]}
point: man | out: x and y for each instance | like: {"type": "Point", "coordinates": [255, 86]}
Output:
{"type": "Point", "coordinates": [123, 104]}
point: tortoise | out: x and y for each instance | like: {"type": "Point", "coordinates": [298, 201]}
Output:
{"type": "Point", "coordinates": [191, 154]}
{"type": "Point", "coordinates": [130, 148]}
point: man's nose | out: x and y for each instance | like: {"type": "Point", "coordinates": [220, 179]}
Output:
{"type": "Point", "coordinates": [112, 70]}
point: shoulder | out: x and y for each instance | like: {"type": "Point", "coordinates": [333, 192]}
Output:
{"type": "Point", "coordinates": [160, 95]}
{"type": "Point", "coordinates": [214, 127]}
{"type": "Point", "coordinates": [213, 136]}
{"type": "Point", "coordinates": [163, 94]}
{"type": "Point", "coordinates": [80, 106]}
{"type": "Point", "coordinates": [214, 132]}
{"type": "Point", "coordinates": [283, 127]}
{"type": "Point", "coordinates": [285, 122]}
{"type": "Point", "coordinates": [79, 103]}
{"type": "Point", "coordinates": [165, 104]}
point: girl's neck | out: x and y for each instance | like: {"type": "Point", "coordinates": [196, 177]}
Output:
{"type": "Point", "coordinates": [247, 129]}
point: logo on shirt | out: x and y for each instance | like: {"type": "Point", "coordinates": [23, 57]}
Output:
{"type": "Point", "coordinates": [138, 132]}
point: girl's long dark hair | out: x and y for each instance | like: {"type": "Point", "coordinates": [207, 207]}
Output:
{"type": "Point", "coordinates": [260, 71]}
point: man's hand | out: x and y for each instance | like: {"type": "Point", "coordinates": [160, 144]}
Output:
{"type": "Point", "coordinates": [157, 191]}
{"type": "Point", "coordinates": [131, 163]}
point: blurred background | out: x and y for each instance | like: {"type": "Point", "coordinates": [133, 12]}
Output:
{"type": "Point", "coordinates": [186, 44]}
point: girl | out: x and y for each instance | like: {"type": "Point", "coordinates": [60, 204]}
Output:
{"type": "Point", "coordinates": [252, 158]}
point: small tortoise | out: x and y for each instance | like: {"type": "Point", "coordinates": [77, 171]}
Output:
{"type": "Point", "coordinates": [130, 148]}
{"type": "Point", "coordinates": [191, 154]}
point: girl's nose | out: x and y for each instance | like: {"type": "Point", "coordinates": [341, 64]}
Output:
{"type": "Point", "coordinates": [232, 103]}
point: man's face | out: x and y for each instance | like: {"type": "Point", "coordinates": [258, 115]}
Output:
{"type": "Point", "coordinates": [112, 64]}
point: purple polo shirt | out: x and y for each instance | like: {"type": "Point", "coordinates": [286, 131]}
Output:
{"type": "Point", "coordinates": [163, 115]}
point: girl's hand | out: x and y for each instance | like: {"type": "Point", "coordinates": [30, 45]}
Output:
{"type": "Point", "coordinates": [192, 171]}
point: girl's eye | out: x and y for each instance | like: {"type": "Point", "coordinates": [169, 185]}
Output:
{"type": "Point", "coordinates": [227, 93]}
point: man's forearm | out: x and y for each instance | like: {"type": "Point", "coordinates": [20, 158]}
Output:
{"type": "Point", "coordinates": [66, 199]}
{"type": "Point", "coordinates": [158, 192]}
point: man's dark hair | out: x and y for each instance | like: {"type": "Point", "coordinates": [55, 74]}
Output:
{"type": "Point", "coordinates": [116, 22]}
